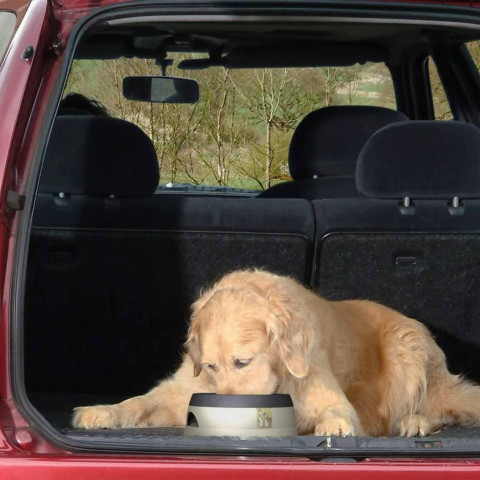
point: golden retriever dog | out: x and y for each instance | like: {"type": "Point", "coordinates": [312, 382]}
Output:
{"type": "Point", "coordinates": [351, 367]}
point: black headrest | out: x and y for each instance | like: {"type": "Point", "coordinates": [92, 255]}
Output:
{"type": "Point", "coordinates": [421, 159]}
{"type": "Point", "coordinates": [99, 156]}
{"type": "Point", "coordinates": [327, 142]}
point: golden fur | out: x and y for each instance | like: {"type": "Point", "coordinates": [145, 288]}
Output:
{"type": "Point", "coordinates": [351, 367]}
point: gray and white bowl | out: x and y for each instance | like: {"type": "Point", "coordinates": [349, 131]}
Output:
{"type": "Point", "coordinates": [210, 414]}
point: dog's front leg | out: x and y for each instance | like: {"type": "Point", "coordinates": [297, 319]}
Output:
{"type": "Point", "coordinates": [323, 409]}
{"type": "Point", "coordinates": [164, 406]}
{"type": "Point", "coordinates": [339, 420]}
{"type": "Point", "coordinates": [134, 412]}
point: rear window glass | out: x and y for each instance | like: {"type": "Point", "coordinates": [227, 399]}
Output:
{"type": "Point", "coordinates": [238, 133]}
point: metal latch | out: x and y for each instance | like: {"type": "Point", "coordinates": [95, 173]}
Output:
{"type": "Point", "coordinates": [15, 200]}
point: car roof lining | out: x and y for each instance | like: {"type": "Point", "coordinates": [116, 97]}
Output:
{"type": "Point", "coordinates": [264, 44]}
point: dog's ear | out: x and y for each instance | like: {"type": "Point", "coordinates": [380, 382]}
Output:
{"type": "Point", "coordinates": [192, 344]}
{"type": "Point", "coordinates": [290, 333]}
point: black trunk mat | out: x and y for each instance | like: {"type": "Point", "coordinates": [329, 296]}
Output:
{"type": "Point", "coordinates": [57, 409]}
{"type": "Point", "coordinates": [453, 441]}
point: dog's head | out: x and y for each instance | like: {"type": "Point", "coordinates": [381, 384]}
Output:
{"type": "Point", "coordinates": [247, 340]}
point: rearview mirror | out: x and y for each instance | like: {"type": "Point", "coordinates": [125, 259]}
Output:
{"type": "Point", "coordinates": [160, 89]}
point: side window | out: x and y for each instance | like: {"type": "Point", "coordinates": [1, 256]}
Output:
{"type": "Point", "coordinates": [474, 50]}
{"type": "Point", "coordinates": [440, 102]}
{"type": "Point", "coordinates": [7, 27]}
{"type": "Point", "coordinates": [238, 134]}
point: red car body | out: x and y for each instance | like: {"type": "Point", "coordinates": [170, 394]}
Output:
{"type": "Point", "coordinates": [26, 81]}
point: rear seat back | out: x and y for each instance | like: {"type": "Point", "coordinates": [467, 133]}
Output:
{"type": "Point", "coordinates": [414, 242]}
{"type": "Point", "coordinates": [119, 266]}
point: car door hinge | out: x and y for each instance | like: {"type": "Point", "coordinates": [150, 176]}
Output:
{"type": "Point", "coordinates": [15, 200]}
{"type": "Point", "coordinates": [57, 46]}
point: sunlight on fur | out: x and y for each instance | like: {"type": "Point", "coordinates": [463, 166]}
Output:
{"type": "Point", "coordinates": [351, 367]}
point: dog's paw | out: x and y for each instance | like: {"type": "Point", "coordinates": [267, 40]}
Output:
{"type": "Point", "coordinates": [100, 416]}
{"type": "Point", "coordinates": [414, 425]}
{"type": "Point", "coordinates": [337, 426]}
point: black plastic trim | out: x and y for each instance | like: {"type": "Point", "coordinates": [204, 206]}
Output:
{"type": "Point", "coordinates": [240, 401]}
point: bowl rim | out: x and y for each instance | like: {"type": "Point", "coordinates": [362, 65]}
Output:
{"type": "Point", "coordinates": [274, 400]}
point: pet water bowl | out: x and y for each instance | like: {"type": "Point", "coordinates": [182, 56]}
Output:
{"type": "Point", "coordinates": [210, 414]}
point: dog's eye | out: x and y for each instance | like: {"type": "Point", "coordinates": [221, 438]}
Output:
{"type": "Point", "coordinates": [211, 366]}
{"type": "Point", "coordinates": [241, 363]}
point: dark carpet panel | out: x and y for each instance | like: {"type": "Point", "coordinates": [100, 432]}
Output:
{"type": "Point", "coordinates": [434, 278]}
{"type": "Point", "coordinates": [107, 312]}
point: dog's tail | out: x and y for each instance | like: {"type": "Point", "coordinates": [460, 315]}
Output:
{"type": "Point", "coordinates": [462, 402]}
{"type": "Point", "coordinates": [455, 401]}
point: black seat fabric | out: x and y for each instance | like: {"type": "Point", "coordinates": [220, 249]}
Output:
{"type": "Point", "coordinates": [324, 150]}
{"type": "Point", "coordinates": [421, 257]}
{"type": "Point", "coordinates": [91, 155]}
{"type": "Point", "coordinates": [327, 142]}
{"type": "Point", "coordinates": [314, 188]}
{"type": "Point", "coordinates": [421, 160]}
{"type": "Point", "coordinates": [109, 286]}
{"type": "Point", "coordinates": [110, 280]}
